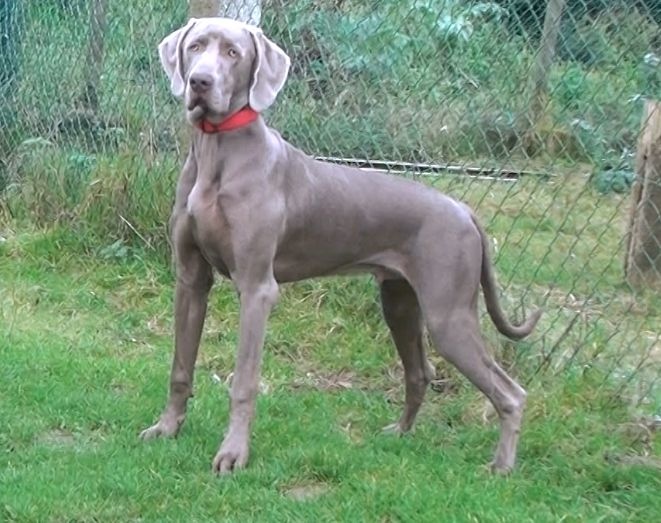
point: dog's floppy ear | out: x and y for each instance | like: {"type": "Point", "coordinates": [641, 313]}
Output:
{"type": "Point", "coordinates": [169, 51]}
{"type": "Point", "coordinates": [269, 72]}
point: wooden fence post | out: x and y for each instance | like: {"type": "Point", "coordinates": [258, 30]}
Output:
{"type": "Point", "coordinates": [643, 256]}
{"type": "Point", "coordinates": [94, 58]}
{"type": "Point", "coordinates": [539, 78]}
{"type": "Point", "coordinates": [202, 8]}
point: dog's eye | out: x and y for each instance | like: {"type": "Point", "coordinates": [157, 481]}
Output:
{"type": "Point", "coordinates": [194, 48]}
{"type": "Point", "coordinates": [232, 53]}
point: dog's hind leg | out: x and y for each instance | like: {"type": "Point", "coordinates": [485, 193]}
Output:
{"type": "Point", "coordinates": [402, 314]}
{"type": "Point", "coordinates": [455, 333]}
{"type": "Point", "coordinates": [446, 278]}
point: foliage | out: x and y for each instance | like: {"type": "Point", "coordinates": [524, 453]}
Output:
{"type": "Point", "coordinates": [615, 180]}
{"type": "Point", "coordinates": [528, 15]}
{"type": "Point", "coordinates": [390, 35]}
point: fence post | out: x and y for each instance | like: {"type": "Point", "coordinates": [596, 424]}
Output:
{"type": "Point", "coordinates": [94, 59]}
{"type": "Point", "coordinates": [538, 85]}
{"type": "Point", "coordinates": [203, 8]}
{"type": "Point", "coordinates": [643, 257]}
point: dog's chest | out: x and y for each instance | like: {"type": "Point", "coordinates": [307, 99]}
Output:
{"type": "Point", "coordinates": [200, 199]}
{"type": "Point", "coordinates": [210, 227]}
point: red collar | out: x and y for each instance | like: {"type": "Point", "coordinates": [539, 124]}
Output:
{"type": "Point", "coordinates": [237, 120]}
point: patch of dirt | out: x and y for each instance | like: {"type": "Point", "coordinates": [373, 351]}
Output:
{"type": "Point", "coordinates": [633, 461]}
{"type": "Point", "coordinates": [57, 438]}
{"type": "Point", "coordinates": [655, 352]}
{"type": "Point", "coordinates": [307, 491]}
{"type": "Point", "coordinates": [391, 382]}
{"type": "Point", "coordinates": [60, 438]}
{"type": "Point", "coordinates": [640, 434]}
{"type": "Point", "coordinates": [342, 380]}
{"type": "Point", "coordinates": [159, 326]}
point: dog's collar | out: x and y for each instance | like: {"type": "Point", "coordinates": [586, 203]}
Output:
{"type": "Point", "coordinates": [239, 119]}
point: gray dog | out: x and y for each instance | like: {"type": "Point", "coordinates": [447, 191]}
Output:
{"type": "Point", "coordinates": [261, 212]}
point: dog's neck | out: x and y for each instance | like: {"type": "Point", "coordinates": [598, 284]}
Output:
{"type": "Point", "coordinates": [215, 153]}
{"type": "Point", "coordinates": [234, 121]}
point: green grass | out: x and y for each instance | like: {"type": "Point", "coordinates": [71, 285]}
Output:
{"type": "Point", "coordinates": [85, 345]}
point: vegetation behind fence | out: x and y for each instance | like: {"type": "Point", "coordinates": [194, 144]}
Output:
{"type": "Point", "coordinates": [90, 136]}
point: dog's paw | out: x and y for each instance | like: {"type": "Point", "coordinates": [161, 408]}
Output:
{"type": "Point", "coordinates": [167, 427]}
{"type": "Point", "coordinates": [232, 456]}
{"type": "Point", "coordinates": [500, 469]}
{"type": "Point", "coordinates": [394, 429]}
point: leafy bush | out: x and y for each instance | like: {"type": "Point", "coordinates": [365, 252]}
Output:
{"type": "Point", "coordinates": [611, 38]}
{"type": "Point", "coordinates": [613, 180]}
{"type": "Point", "coordinates": [392, 35]}
{"type": "Point", "coordinates": [528, 15]}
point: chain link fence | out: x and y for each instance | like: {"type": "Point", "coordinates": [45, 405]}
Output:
{"type": "Point", "coordinates": [528, 110]}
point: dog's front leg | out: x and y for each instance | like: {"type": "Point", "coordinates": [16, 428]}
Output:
{"type": "Point", "coordinates": [256, 302]}
{"type": "Point", "coordinates": [194, 280]}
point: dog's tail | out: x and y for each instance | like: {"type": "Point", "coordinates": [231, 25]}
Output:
{"type": "Point", "coordinates": [488, 281]}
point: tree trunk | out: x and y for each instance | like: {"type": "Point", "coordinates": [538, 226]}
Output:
{"type": "Point", "coordinates": [249, 11]}
{"type": "Point", "coordinates": [94, 59]}
{"type": "Point", "coordinates": [643, 259]}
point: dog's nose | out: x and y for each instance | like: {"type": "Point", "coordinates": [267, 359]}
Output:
{"type": "Point", "coordinates": [201, 83]}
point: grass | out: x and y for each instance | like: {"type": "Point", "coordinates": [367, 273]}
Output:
{"type": "Point", "coordinates": [86, 347]}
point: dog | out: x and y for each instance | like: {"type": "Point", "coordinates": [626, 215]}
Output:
{"type": "Point", "coordinates": [260, 212]}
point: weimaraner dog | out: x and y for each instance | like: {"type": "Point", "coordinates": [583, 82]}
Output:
{"type": "Point", "coordinates": [261, 212]}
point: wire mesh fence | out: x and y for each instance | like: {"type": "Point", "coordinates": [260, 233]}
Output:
{"type": "Point", "coordinates": [528, 110]}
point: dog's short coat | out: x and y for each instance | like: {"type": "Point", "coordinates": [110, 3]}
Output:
{"type": "Point", "coordinates": [261, 212]}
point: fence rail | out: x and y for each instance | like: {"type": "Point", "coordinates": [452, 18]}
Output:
{"type": "Point", "coordinates": [547, 95]}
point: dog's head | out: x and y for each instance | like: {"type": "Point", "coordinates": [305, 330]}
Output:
{"type": "Point", "coordinates": [220, 65]}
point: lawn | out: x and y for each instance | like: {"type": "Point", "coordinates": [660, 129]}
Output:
{"type": "Point", "coordinates": [85, 343]}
